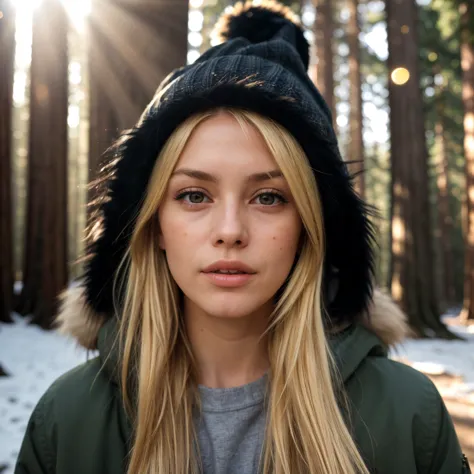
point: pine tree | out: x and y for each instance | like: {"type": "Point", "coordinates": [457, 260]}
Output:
{"type": "Point", "coordinates": [445, 220]}
{"type": "Point", "coordinates": [7, 48]}
{"type": "Point", "coordinates": [45, 261]}
{"type": "Point", "coordinates": [438, 53]}
{"type": "Point", "coordinates": [467, 60]}
{"type": "Point", "coordinates": [323, 37]}
{"type": "Point", "coordinates": [356, 142]}
{"type": "Point", "coordinates": [412, 282]}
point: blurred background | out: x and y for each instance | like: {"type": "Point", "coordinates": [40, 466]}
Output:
{"type": "Point", "coordinates": [399, 78]}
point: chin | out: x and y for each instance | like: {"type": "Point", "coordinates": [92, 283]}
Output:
{"type": "Point", "coordinates": [230, 306]}
{"type": "Point", "coordinates": [226, 311]}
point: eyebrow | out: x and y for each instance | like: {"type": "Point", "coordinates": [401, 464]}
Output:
{"type": "Point", "coordinates": [203, 176]}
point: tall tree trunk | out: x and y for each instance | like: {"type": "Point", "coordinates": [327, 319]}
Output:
{"type": "Point", "coordinates": [412, 281]}
{"type": "Point", "coordinates": [133, 46]}
{"type": "Point", "coordinates": [356, 143]}
{"type": "Point", "coordinates": [467, 61]}
{"type": "Point", "coordinates": [323, 34]}
{"type": "Point", "coordinates": [7, 57]}
{"type": "Point", "coordinates": [45, 262]}
{"type": "Point", "coordinates": [445, 219]}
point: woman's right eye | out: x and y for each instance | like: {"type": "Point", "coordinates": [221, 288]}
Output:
{"type": "Point", "coordinates": [192, 197]}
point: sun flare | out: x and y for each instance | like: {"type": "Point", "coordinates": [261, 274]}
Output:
{"type": "Point", "coordinates": [78, 10]}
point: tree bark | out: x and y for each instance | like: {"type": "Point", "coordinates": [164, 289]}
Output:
{"type": "Point", "coordinates": [412, 281]}
{"type": "Point", "coordinates": [45, 262]}
{"type": "Point", "coordinates": [323, 34]}
{"type": "Point", "coordinates": [445, 220]}
{"type": "Point", "coordinates": [7, 56]}
{"type": "Point", "coordinates": [133, 46]}
{"type": "Point", "coordinates": [467, 61]}
{"type": "Point", "coordinates": [356, 140]}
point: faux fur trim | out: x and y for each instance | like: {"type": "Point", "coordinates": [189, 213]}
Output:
{"type": "Point", "coordinates": [225, 30]}
{"type": "Point", "coordinates": [77, 319]}
{"type": "Point", "coordinates": [260, 22]}
{"type": "Point", "coordinates": [386, 319]}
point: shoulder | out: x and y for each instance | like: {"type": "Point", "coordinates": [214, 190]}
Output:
{"type": "Point", "coordinates": [76, 399]}
{"type": "Point", "coordinates": [402, 394]}
{"type": "Point", "coordinates": [405, 383]}
{"type": "Point", "coordinates": [401, 408]}
{"type": "Point", "coordinates": [72, 396]}
{"type": "Point", "coordinates": [68, 415]}
{"type": "Point", "coordinates": [78, 389]}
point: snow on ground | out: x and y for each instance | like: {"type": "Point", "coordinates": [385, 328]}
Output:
{"type": "Point", "coordinates": [453, 359]}
{"type": "Point", "coordinates": [35, 358]}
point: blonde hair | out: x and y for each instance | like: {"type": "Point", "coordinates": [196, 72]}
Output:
{"type": "Point", "coordinates": [305, 431]}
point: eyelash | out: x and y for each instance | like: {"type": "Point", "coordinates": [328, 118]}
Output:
{"type": "Point", "coordinates": [270, 192]}
{"type": "Point", "coordinates": [180, 197]}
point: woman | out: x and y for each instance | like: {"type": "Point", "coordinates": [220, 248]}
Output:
{"type": "Point", "coordinates": [229, 292]}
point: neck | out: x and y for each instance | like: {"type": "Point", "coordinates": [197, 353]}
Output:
{"type": "Point", "coordinates": [228, 351]}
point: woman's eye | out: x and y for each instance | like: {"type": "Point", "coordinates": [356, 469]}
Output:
{"type": "Point", "coordinates": [270, 199]}
{"type": "Point", "coordinates": [192, 197]}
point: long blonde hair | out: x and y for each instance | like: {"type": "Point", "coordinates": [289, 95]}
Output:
{"type": "Point", "coordinates": [305, 431]}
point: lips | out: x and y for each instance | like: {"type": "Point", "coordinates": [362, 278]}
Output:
{"type": "Point", "coordinates": [229, 272]}
{"type": "Point", "coordinates": [229, 267]}
{"type": "Point", "coordinates": [229, 275]}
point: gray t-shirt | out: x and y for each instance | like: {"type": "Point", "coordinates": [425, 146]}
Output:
{"type": "Point", "coordinates": [232, 428]}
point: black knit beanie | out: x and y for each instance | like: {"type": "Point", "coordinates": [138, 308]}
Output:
{"type": "Point", "coordinates": [261, 66]}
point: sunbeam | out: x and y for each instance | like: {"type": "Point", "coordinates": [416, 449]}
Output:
{"type": "Point", "coordinates": [78, 10]}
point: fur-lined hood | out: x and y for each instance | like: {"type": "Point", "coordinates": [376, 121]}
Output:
{"type": "Point", "coordinates": [260, 67]}
{"type": "Point", "coordinates": [76, 319]}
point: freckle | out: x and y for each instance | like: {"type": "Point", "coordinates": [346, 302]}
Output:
{"type": "Point", "coordinates": [274, 238]}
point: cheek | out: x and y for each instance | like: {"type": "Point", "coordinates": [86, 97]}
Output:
{"type": "Point", "coordinates": [284, 242]}
{"type": "Point", "coordinates": [174, 233]}
{"type": "Point", "coordinates": [181, 244]}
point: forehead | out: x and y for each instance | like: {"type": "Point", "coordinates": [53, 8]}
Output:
{"type": "Point", "coordinates": [227, 146]}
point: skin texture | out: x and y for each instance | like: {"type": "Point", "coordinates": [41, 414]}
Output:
{"type": "Point", "coordinates": [232, 217]}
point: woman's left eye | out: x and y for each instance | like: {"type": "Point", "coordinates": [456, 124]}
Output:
{"type": "Point", "coordinates": [270, 199]}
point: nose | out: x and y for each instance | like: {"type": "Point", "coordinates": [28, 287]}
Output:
{"type": "Point", "coordinates": [230, 227]}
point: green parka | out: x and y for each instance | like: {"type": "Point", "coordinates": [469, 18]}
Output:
{"type": "Point", "coordinates": [399, 420]}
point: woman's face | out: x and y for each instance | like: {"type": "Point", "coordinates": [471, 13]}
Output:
{"type": "Point", "coordinates": [229, 225]}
